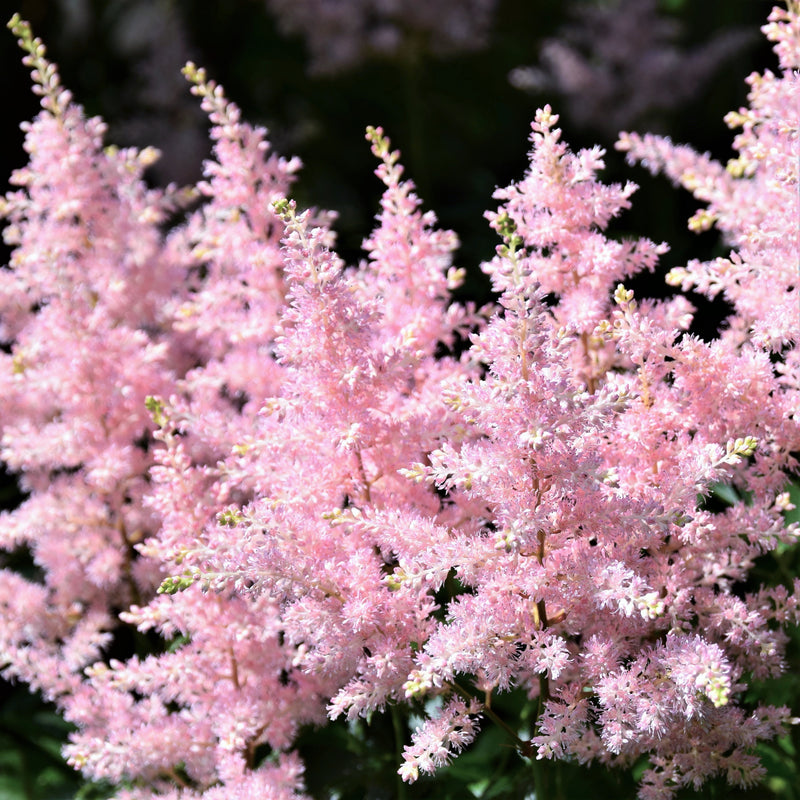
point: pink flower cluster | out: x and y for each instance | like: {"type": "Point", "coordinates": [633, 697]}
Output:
{"type": "Point", "coordinates": [281, 469]}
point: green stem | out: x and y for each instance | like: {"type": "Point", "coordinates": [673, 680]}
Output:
{"type": "Point", "coordinates": [521, 745]}
{"type": "Point", "coordinates": [540, 779]}
{"type": "Point", "coordinates": [399, 738]}
{"type": "Point", "coordinates": [541, 773]}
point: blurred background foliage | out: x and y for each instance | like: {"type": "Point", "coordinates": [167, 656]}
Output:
{"type": "Point", "coordinates": [462, 124]}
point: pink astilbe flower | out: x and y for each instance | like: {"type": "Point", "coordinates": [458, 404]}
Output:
{"type": "Point", "coordinates": [590, 439]}
{"type": "Point", "coordinates": [434, 742]}
{"type": "Point", "coordinates": [348, 515]}
{"type": "Point", "coordinates": [82, 309]}
{"type": "Point", "coordinates": [100, 314]}
{"type": "Point", "coordinates": [263, 445]}
{"type": "Point", "coordinates": [229, 686]}
{"type": "Point", "coordinates": [753, 200]}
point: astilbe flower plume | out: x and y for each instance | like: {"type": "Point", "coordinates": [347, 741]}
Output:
{"type": "Point", "coordinates": [82, 310]}
{"type": "Point", "coordinates": [326, 468]}
{"type": "Point", "coordinates": [752, 201]}
{"type": "Point", "coordinates": [353, 396]}
{"type": "Point", "coordinates": [247, 425]}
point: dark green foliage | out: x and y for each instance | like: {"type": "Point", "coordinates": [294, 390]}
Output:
{"type": "Point", "coordinates": [31, 735]}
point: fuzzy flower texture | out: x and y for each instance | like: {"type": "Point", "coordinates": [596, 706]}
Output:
{"type": "Point", "coordinates": [288, 482]}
